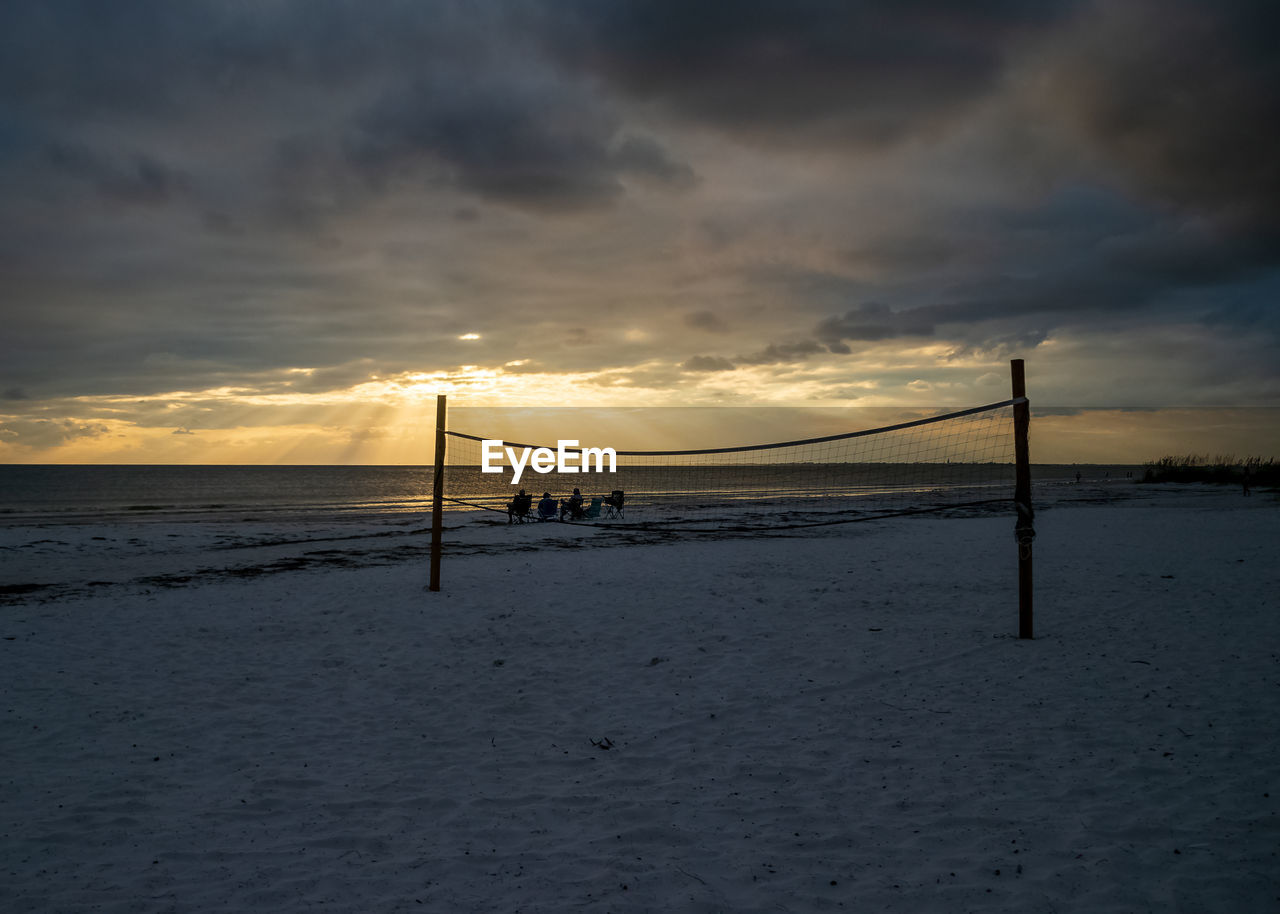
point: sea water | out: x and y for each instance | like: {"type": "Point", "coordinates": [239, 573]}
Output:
{"type": "Point", "coordinates": [38, 493]}
{"type": "Point", "coordinates": [29, 492]}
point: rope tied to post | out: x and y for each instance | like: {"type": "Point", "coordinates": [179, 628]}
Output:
{"type": "Point", "coordinates": [1024, 530]}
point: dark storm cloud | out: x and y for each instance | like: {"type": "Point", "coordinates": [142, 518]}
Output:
{"type": "Point", "coordinates": [861, 71]}
{"type": "Point", "coordinates": [137, 179]}
{"type": "Point", "coordinates": [1183, 98]}
{"type": "Point", "coordinates": [776, 353]}
{"type": "Point", "coordinates": [423, 91]}
{"type": "Point", "coordinates": [904, 252]}
{"type": "Point", "coordinates": [869, 322]}
{"type": "Point", "coordinates": [983, 311]}
{"type": "Point", "coordinates": [524, 140]}
{"type": "Point", "coordinates": [67, 59]}
{"type": "Point", "coordinates": [872, 321]}
{"type": "Point", "coordinates": [999, 311]}
{"type": "Point", "coordinates": [1190, 253]}
{"type": "Point", "coordinates": [154, 58]}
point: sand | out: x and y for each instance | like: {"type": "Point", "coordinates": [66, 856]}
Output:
{"type": "Point", "coordinates": [216, 718]}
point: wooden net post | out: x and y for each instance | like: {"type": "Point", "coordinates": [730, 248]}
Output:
{"type": "Point", "coordinates": [437, 495]}
{"type": "Point", "coordinates": [1024, 529]}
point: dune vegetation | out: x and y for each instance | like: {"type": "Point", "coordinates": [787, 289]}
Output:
{"type": "Point", "coordinates": [1222, 468]}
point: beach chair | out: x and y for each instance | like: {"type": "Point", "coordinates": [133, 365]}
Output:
{"type": "Point", "coordinates": [519, 509]}
{"type": "Point", "coordinates": [593, 510]}
{"type": "Point", "coordinates": [613, 504]}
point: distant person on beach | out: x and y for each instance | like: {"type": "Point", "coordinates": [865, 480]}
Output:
{"type": "Point", "coordinates": [1077, 477]}
{"type": "Point", "coordinates": [518, 507]}
{"type": "Point", "coordinates": [1245, 480]}
{"type": "Point", "coordinates": [572, 506]}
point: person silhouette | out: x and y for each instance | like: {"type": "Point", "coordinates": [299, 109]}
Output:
{"type": "Point", "coordinates": [572, 506]}
{"type": "Point", "coordinates": [518, 507]}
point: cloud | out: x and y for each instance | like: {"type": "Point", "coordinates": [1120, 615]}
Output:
{"type": "Point", "coordinates": [1183, 99]}
{"type": "Point", "coordinates": [707, 321]}
{"type": "Point", "coordinates": [523, 139]}
{"type": "Point", "coordinates": [291, 198]}
{"type": "Point", "coordinates": [916, 251]}
{"type": "Point", "coordinates": [45, 433]}
{"type": "Point", "coordinates": [782, 72]}
{"type": "Point", "coordinates": [707, 363]}
{"type": "Point", "coordinates": [525, 366]}
{"type": "Point", "coordinates": [578, 336]}
{"type": "Point", "coordinates": [154, 60]}
{"type": "Point", "coordinates": [348, 101]}
{"type": "Point", "coordinates": [538, 146]}
{"type": "Point", "coordinates": [135, 179]}
{"type": "Point", "coordinates": [873, 321]}
{"type": "Point", "coordinates": [776, 353]}
{"type": "Point", "coordinates": [1189, 252]}
{"type": "Point", "coordinates": [645, 157]}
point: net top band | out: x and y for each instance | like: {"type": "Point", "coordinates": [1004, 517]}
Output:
{"type": "Point", "coordinates": [777, 444]}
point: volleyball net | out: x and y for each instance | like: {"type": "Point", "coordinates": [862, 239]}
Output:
{"type": "Point", "coordinates": [974, 459]}
{"type": "Point", "coordinates": [952, 460]}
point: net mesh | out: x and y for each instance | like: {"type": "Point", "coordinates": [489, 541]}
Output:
{"type": "Point", "coordinates": [960, 459]}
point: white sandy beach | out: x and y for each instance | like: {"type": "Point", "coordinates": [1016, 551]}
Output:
{"type": "Point", "coordinates": [211, 718]}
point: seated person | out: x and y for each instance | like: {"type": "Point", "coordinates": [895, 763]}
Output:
{"type": "Point", "coordinates": [546, 507]}
{"type": "Point", "coordinates": [518, 507]}
{"type": "Point", "coordinates": [572, 506]}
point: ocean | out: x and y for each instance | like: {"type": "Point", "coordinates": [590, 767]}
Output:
{"type": "Point", "coordinates": [30, 492]}
{"type": "Point", "coordinates": [60, 493]}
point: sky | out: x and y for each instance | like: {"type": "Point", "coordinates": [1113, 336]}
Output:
{"type": "Point", "coordinates": [274, 231]}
